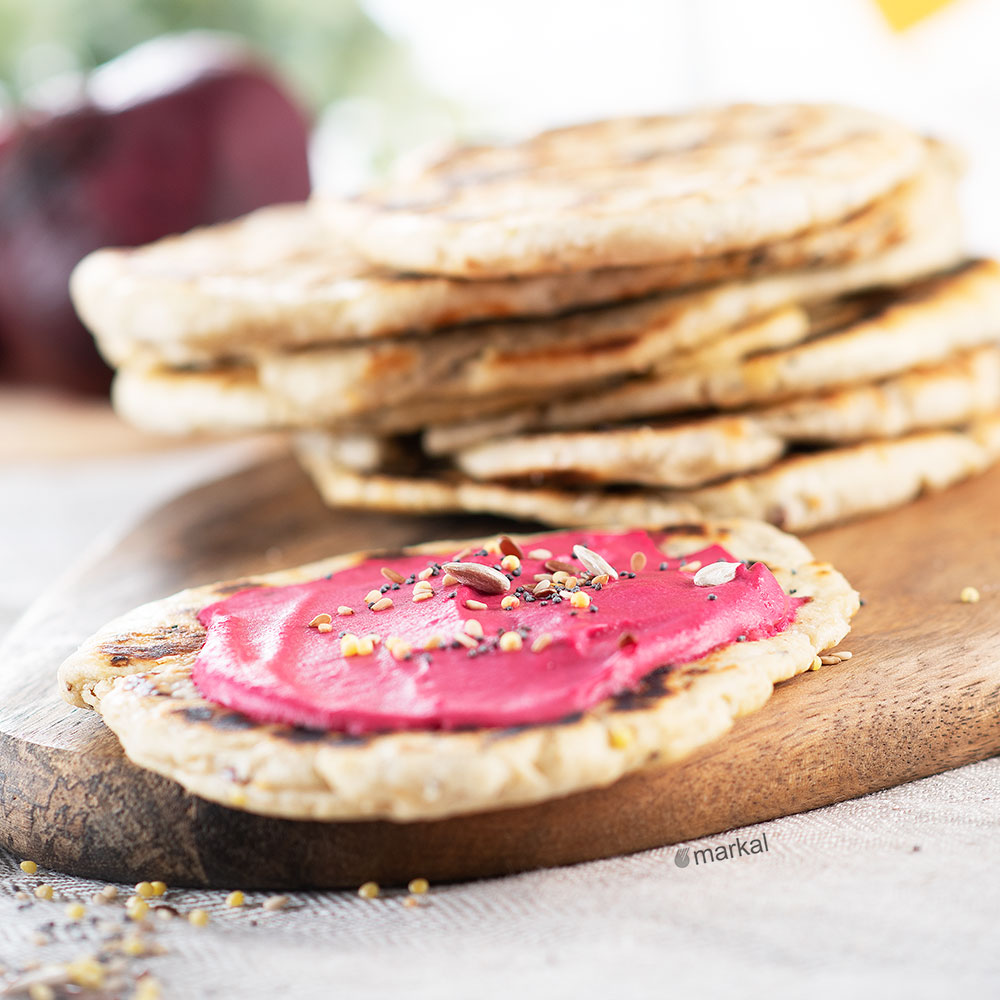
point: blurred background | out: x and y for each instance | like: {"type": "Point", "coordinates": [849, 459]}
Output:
{"type": "Point", "coordinates": [327, 96]}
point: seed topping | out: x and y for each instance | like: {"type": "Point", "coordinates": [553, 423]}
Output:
{"type": "Point", "coordinates": [716, 574]}
{"type": "Point", "coordinates": [511, 642]}
{"type": "Point", "coordinates": [594, 563]}
{"type": "Point", "coordinates": [485, 579]}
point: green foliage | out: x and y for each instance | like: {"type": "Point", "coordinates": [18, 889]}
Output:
{"type": "Point", "coordinates": [325, 49]}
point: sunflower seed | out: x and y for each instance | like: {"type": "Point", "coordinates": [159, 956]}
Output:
{"type": "Point", "coordinates": [485, 579]}
{"type": "Point", "coordinates": [715, 574]}
{"type": "Point", "coordinates": [593, 563]}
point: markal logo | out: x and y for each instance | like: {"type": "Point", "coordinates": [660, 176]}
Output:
{"type": "Point", "coordinates": [739, 848]}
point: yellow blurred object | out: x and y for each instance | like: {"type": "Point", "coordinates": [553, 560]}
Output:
{"type": "Point", "coordinates": [903, 14]}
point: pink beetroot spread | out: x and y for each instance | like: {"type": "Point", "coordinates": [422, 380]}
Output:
{"type": "Point", "coordinates": [261, 656]}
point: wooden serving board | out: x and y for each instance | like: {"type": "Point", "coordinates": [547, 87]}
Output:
{"type": "Point", "coordinates": [921, 695]}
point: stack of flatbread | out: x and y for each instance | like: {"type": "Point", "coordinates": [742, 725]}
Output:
{"type": "Point", "coordinates": [752, 311]}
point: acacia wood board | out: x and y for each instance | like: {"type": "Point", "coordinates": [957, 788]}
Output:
{"type": "Point", "coordinates": [921, 695]}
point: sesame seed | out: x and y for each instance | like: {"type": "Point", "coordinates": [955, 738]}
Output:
{"type": "Point", "coordinates": [85, 971]}
{"type": "Point", "coordinates": [448, 580]}
{"type": "Point", "coordinates": [539, 554]}
{"type": "Point", "coordinates": [398, 647]}
{"type": "Point", "coordinates": [638, 562]}
{"type": "Point", "coordinates": [845, 654]}
{"type": "Point", "coordinates": [542, 642]}
{"type": "Point", "coordinates": [323, 619]}
{"type": "Point", "coordinates": [426, 574]}
{"type": "Point", "coordinates": [382, 605]}
{"type": "Point", "coordinates": [369, 890]}
{"type": "Point", "coordinates": [466, 640]}
{"type": "Point", "coordinates": [275, 903]}
{"type": "Point", "coordinates": [619, 737]}
{"type": "Point", "coordinates": [134, 945]}
{"type": "Point", "coordinates": [422, 595]}
{"type": "Point", "coordinates": [474, 628]}
{"type": "Point", "coordinates": [475, 605]}
{"type": "Point", "coordinates": [345, 610]}
{"type": "Point", "coordinates": [510, 642]}
{"type": "Point", "coordinates": [691, 567]}
{"type": "Point", "coordinates": [969, 595]}
{"type": "Point", "coordinates": [372, 596]}
{"type": "Point", "coordinates": [434, 642]}
{"type": "Point", "coordinates": [391, 575]}
{"type": "Point", "coordinates": [324, 627]}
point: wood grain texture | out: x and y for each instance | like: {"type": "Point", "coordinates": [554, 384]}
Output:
{"type": "Point", "coordinates": [921, 695]}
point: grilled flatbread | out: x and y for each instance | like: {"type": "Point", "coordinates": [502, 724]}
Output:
{"type": "Point", "coordinates": [281, 278]}
{"type": "Point", "coordinates": [633, 191]}
{"type": "Point", "coordinates": [136, 672]}
{"type": "Point", "coordinates": [917, 328]}
{"type": "Point", "coordinates": [946, 395]}
{"type": "Point", "coordinates": [800, 492]}
{"type": "Point", "coordinates": [397, 385]}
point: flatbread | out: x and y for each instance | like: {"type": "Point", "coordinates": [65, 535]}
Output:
{"type": "Point", "coordinates": [923, 326]}
{"type": "Point", "coordinates": [136, 673]}
{"type": "Point", "coordinates": [800, 493]}
{"type": "Point", "coordinates": [397, 384]}
{"type": "Point", "coordinates": [633, 191]}
{"type": "Point", "coordinates": [282, 278]}
{"type": "Point", "coordinates": [231, 400]}
{"type": "Point", "coordinates": [683, 454]}
{"type": "Point", "coordinates": [946, 395]}
{"type": "Point", "coordinates": [919, 327]}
